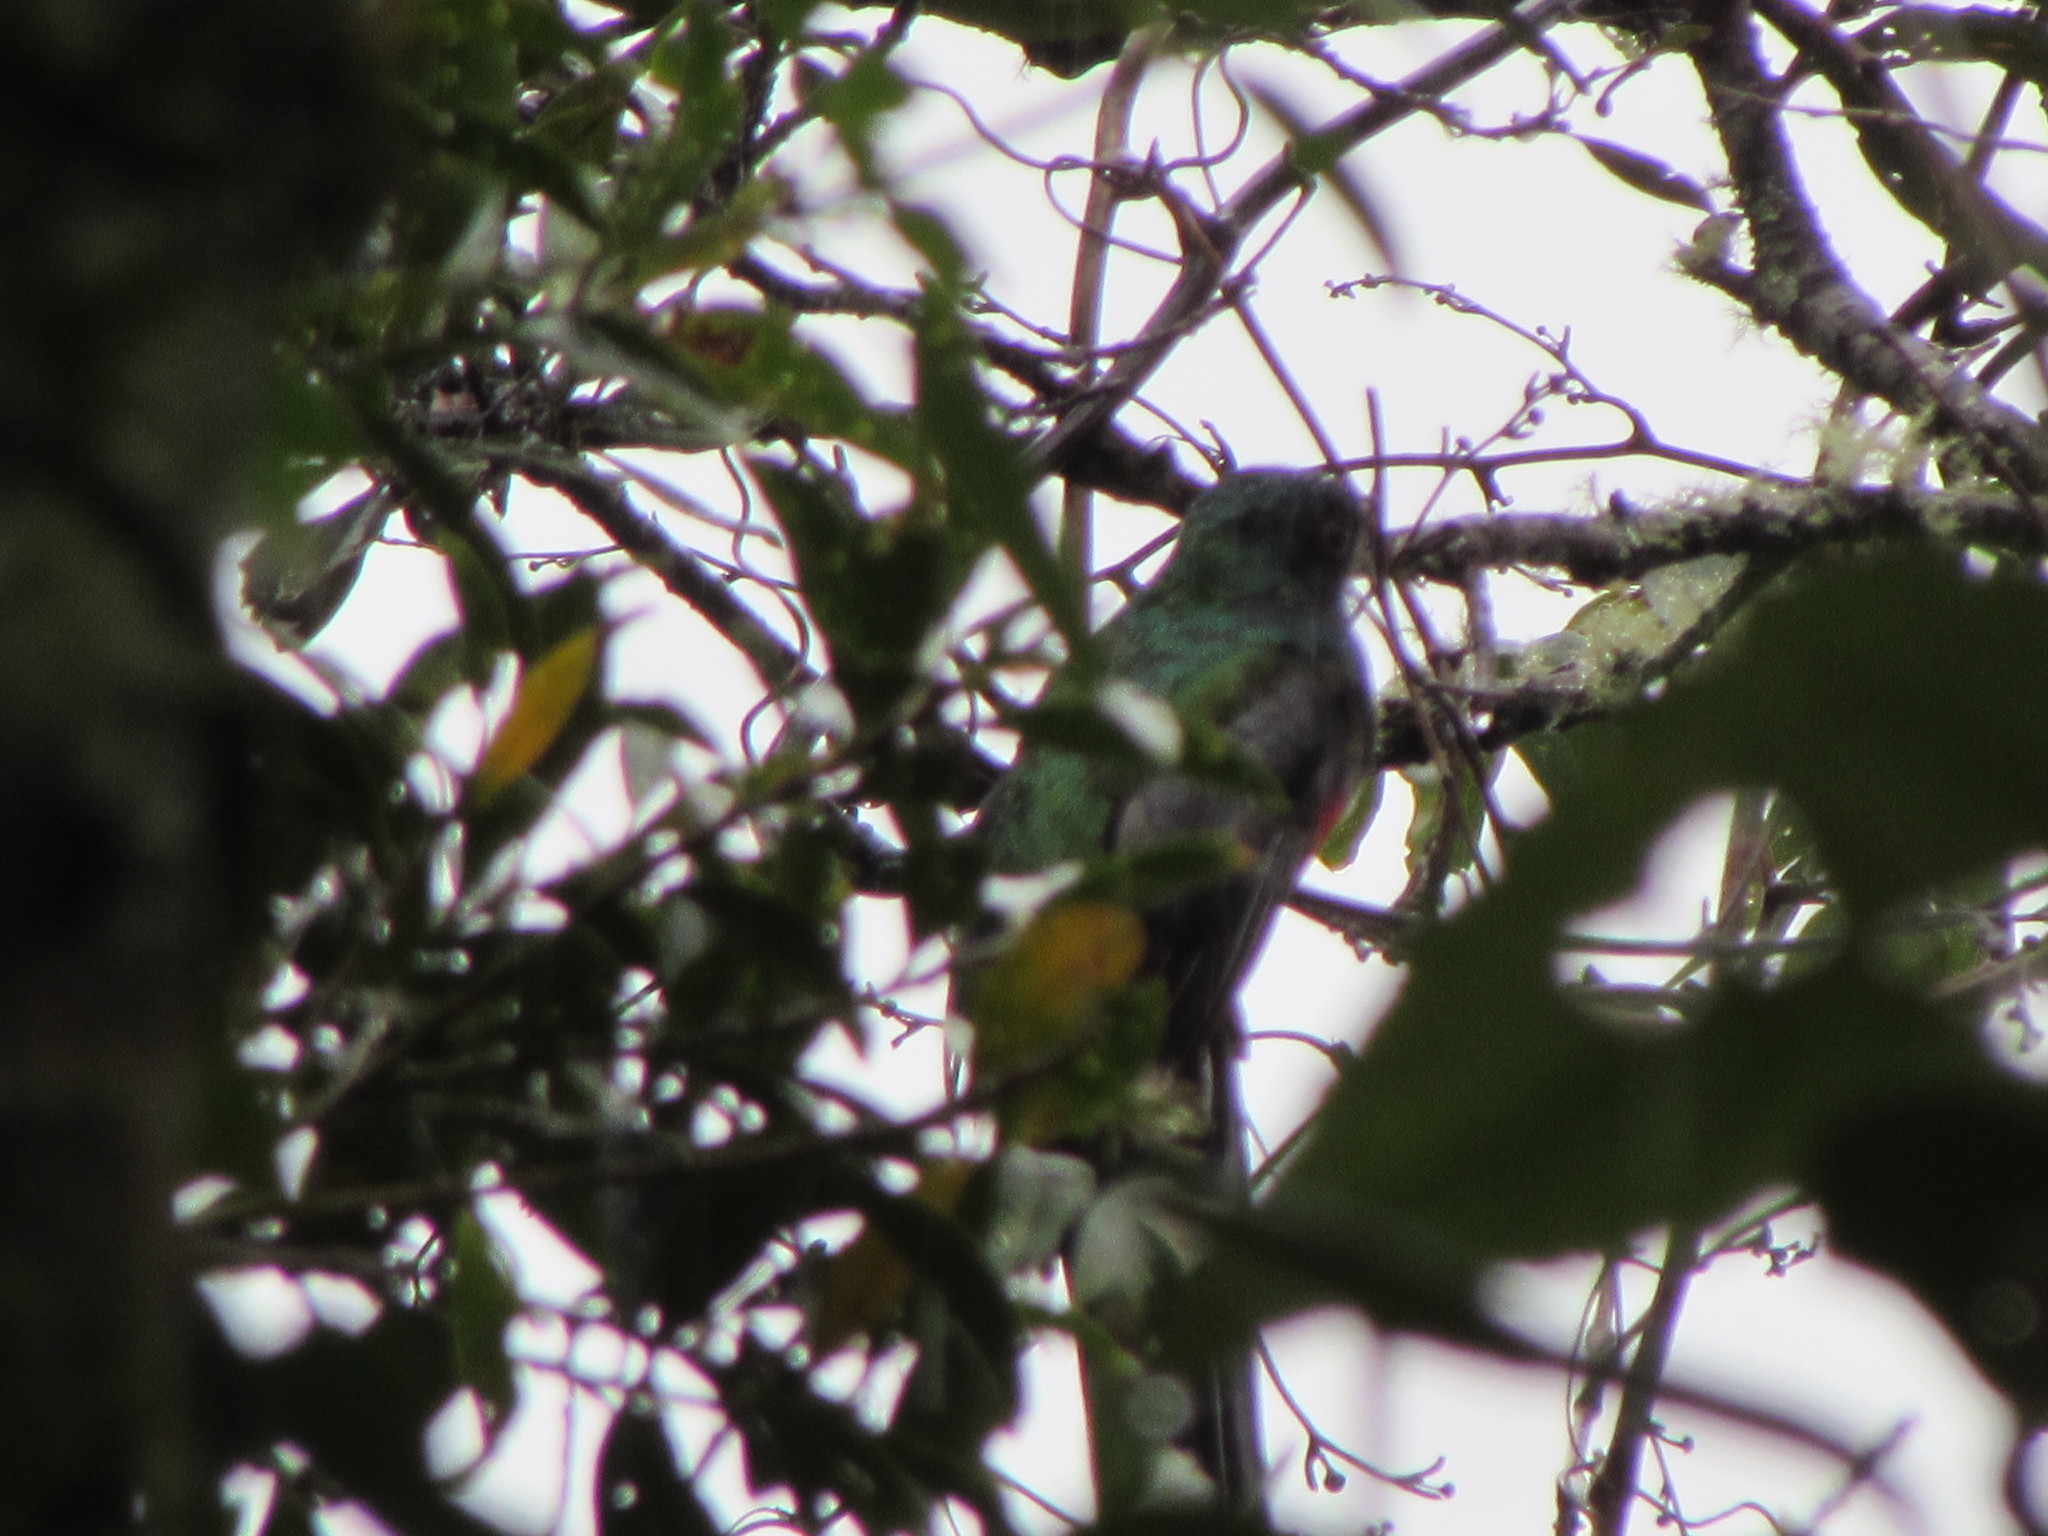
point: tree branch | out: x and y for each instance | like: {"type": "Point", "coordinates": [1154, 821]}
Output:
{"type": "Point", "coordinates": [1106, 188]}
{"type": "Point", "coordinates": [1776, 522]}
{"type": "Point", "coordinates": [604, 502]}
{"type": "Point", "coordinates": [1799, 285]}
{"type": "Point", "coordinates": [1927, 181]}
{"type": "Point", "coordinates": [1614, 1488]}
{"type": "Point", "coordinates": [1210, 242]}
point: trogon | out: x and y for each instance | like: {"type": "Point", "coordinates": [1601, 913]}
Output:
{"type": "Point", "coordinates": [1244, 630]}
{"type": "Point", "coordinates": [1244, 633]}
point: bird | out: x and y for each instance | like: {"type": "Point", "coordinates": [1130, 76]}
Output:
{"type": "Point", "coordinates": [1245, 637]}
{"type": "Point", "coordinates": [1244, 632]}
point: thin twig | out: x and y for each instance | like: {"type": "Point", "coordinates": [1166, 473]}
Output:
{"type": "Point", "coordinates": [1091, 259]}
{"type": "Point", "coordinates": [779, 665]}
{"type": "Point", "coordinates": [1614, 1486]}
{"type": "Point", "coordinates": [1321, 1450]}
{"type": "Point", "coordinates": [1207, 260]}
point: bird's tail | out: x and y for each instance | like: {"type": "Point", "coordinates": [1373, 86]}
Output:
{"type": "Point", "coordinates": [1224, 1438]}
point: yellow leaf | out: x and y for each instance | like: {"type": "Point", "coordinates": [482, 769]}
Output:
{"type": "Point", "coordinates": [548, 695]}
{"type": "Point", "coordinates": [867, 1280]}
{"type": "Point", "coordinates": [1040, 996]}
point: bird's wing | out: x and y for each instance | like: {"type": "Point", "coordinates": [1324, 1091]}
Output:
{"type": "Point", "coordinates": [1303, 717]}
{"type": "Point", "coordinates": [1052, 805]}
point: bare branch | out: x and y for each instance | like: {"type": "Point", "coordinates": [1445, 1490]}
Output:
{"type": "Point", "coordinates": [604, 502]}
{"type": "Point", "coordinates": [1211, 242]}
{"type": "Point", "coordinates": [1918, 171]}
{"type": "Point", "coordinates": [1106, 188]}
{"type": "Point", "coordinates": [1775, 522]}
{"type": "Point", "coordinates": [1799, 285]}
{"type": "Point", "coordinates": [1614, 1487]}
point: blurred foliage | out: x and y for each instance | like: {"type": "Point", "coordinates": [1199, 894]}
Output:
{"type": "Point", "coordinates": [442, 1031]}
{"type": "Point", "coordinates": [166, 172]}
{"type": "Point", "coordinates": [620, 1046]}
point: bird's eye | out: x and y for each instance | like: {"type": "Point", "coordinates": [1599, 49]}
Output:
{"type": "Point", "coordinates": [1331, 530]}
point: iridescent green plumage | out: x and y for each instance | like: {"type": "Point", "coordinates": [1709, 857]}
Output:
{"type": "Point", "coordinates": [1243, 633]}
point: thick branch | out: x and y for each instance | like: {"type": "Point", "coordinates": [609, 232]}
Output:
{"type": "Point", "coordinates": [1076, 540]}
{"type": "Point", "coordinates": [1799, 285]}
{"type": "Point", "coordinates": [1771, 524]}
{"type": "Point", "coordinates": [1915, 168]}
{"type": "Point", "coordinates": [1775, 522]}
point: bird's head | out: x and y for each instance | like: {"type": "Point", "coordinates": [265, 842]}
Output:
{"type": "Point", "coordinates": [1267, 533]}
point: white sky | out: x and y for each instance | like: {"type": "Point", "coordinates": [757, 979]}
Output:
{"type": "Point", "coordinates": [1538, 232]}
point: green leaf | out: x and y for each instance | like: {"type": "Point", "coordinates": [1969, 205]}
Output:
{"type": "Point", "coordinates": [876, 586]}
{"type": "Point", "coordinates": [942, 1254]}
{"type": "Point", "coordinates": [1274, 14]}
{"type": "Point", "coordinates": [768, 960]}
{"type": "Point", "coordinates": [988, 487]}
{"type": "Point", "coordinates": [930, 238]}
{"type": "Point", "coordinates": [941, 876]}
{"type": "Point", "coordinates": [357, 1407]}
{"type": "Point", "coordinates": [856, 101]}
{"type": "Point", "coordinates": [581, 120]}
{"type": "Point", "coordinates": [713, 238]}
{"type": "Point", "coordinates": [481, 1302]}
{"type": "Point", "coordinates": [1077, 725]}
{"type": "Point", "coordinates": [692, 62]}
{"type": "Point", "coordinates": [1120, 1456]}
{"type": "Point", "coordinates": [299, 574]}
{"type": "Point", "coordinates": [464, 58]}
{"type": "Point", "coordinates": [545, 619]}
{"type": "Point", "coordinates": [487, 601]}
{"type": "Point", "coordinates": [1561, 760]}
{"type": "Point", "coordinates": [1948, 1192]}
{"type": "Point", "coordinates": [931, 764]}
{"type": "Point", "coordinates": [1905, 712]}
{"type": "Point", "coordinates": [310, 425]}
{"type": "Point", "coordinates": [1070, 37]}
{"type": "Point", "coordinates": [721, 372]}
{"type": "Point", "coordinates": [660, 715]}
{"type": "Point", "coordinates": [810, 388]}
{"type": "Point", "coordinates": [788, 17]}
{"type": "Point", "coordinates": [1064, 36]}
{"type": "Point", "coordinates": [1937, 938]}
{"type": "Point", "coordinates": [1340, 847]}
{"type": "Point", "coordinates": [1647, 174]}
{"type": "Point", "coordinates": [435, 669]}
{"type": "Point", "coordinates": [1444, 834]}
